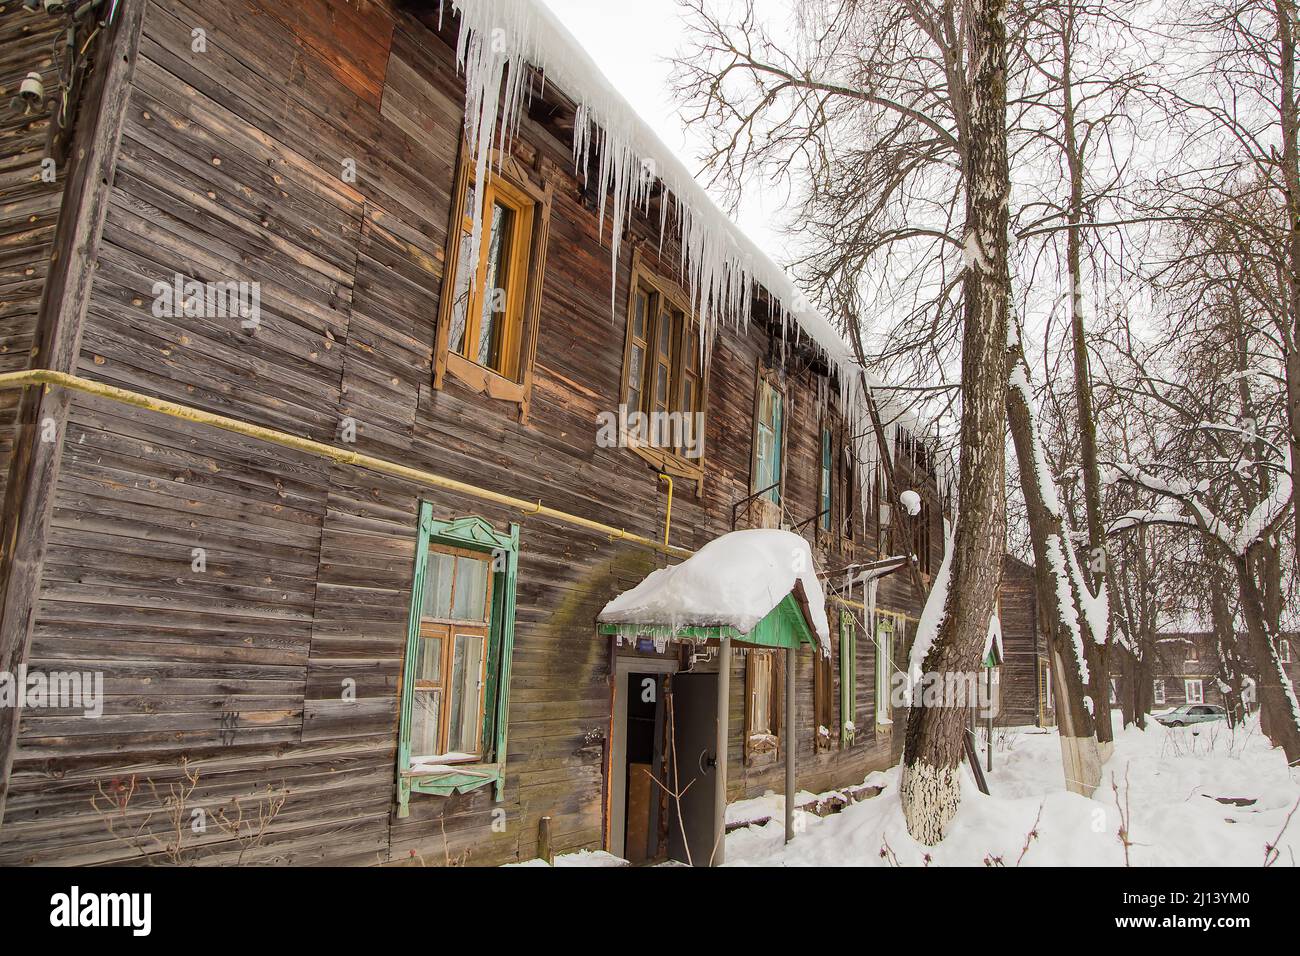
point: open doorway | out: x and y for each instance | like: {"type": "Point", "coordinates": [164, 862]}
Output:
{"type": "Point", "coordinates": [658, 712]}
{"type": "Point", "coordinates": [645, 803]}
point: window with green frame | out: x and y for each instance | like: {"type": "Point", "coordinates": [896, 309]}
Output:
{"type": "Point", "coordinates": [890, 638]}
{"type": "Point", "coordinates": [824, 504]}
{"type": "Point", "coordinates": [456, 671]}
{"type": "Point", "coordinates": [767, 442]}
{"type": "Point", "coordinates": [848, 678]}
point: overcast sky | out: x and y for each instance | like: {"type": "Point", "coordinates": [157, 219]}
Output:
{"type": "Point", "coordinates": [631, 43]}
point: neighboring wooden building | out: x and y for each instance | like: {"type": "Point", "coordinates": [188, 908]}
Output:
{"type": "Point", "coordinates": [1187, 669]}
{"type": "Point", "coordinates": [1025, 676]}
{"type": "Point", "coordinates": [384, 663]}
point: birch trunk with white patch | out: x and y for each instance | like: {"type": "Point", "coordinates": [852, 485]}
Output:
{"type": "Point", "coordinates": [933, 751]}
{"type": "Point", "coordinates": [1059, 590]}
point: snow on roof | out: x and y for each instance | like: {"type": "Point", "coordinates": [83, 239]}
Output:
{"type": "Point", "coordinates": [735, 580]}
{"type": "Point", "coordinates": [723, 267]}
{"type": "Point", "coordinates": [878, 569]}
{"type": "Point", "coordinates": [722, 264]}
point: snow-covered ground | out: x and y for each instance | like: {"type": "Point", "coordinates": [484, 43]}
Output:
{"type": "Point", "coordinates": [1167, 779]}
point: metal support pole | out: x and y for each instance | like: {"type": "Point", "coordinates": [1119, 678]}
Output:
{"type": "Point", "coordinates": [989, 711]}
{"type": "Point", "coordinates": [720, 747]}
{"type": "Point", "coordinates": [787, 737]}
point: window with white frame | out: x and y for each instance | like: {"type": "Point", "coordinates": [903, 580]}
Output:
{"type": "Point", "coordinates": [1195, 692]}
{"type": "Point", "coordinates": [1284, 650]}
{"type": "Point", "coordinates": [1158, 691]}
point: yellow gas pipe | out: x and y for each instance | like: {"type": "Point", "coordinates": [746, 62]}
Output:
{"type": "Point", "coordinates": [11, 380]}
{"type": "Point", "coordinates": [668, 514]}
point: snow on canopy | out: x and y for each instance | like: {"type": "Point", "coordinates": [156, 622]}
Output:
{"type": "Point", "coordinates": [733, 581]}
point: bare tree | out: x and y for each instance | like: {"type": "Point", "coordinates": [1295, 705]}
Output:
{"type": "Point", "coordinates": [1085, 94]}
{"type": "Point", "coordinates": [1243, 161]}
{"type": "Point", "coordinates": [933, 748]}
{"type": "Point", "coordinates": [1219, 465]}
{"type": "Point", "coordinates": [917, 91]}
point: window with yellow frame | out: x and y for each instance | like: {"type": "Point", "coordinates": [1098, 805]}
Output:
{"type": "Point", "coordinates": [487, 323]}
{"type": "Point", "coordinates": [664, 373]}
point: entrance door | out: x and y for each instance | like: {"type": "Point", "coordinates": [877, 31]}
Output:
{"type": "Point", "coordinates": [645, 800]}
{"type": "Point", "coordinates": [637, 740]}
{"type": "Point", "coordinates": [695, 706]}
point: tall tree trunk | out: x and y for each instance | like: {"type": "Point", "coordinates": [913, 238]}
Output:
{"type": "Point", "coordinates": [1058, 591]}
{"type": "Point", "coordinates": [1290, 123]}
{"type": "Point", "coordinates": [1095, 650]}
{"type": "Point", "coordinates": [1225, 642]}
{"type": "Point", "coordinates": [1277, 700]}
{"type": "Point", "coordinates": [933, 750]}
{"type": "Point", "coordinates": [1144, 690]}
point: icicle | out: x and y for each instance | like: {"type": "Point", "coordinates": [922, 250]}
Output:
{"type": "Point", "coordinates": [722, 267]}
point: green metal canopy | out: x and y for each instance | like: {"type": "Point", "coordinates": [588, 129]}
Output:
{"type": "Point", "coordinates": [786, 625]}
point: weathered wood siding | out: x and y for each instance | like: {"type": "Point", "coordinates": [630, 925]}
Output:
{"type": "Point", "coordinates": [29, 206]}
{"type": "Point", "coordinates": [1021, 646]}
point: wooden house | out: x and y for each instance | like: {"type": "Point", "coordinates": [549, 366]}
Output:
{"type": "Point", "coordinates": [1187, 669]}
{"type": "Point", "coordinates": [335, 540]}
{"type": "Point", "coordinates": [1025, 681]}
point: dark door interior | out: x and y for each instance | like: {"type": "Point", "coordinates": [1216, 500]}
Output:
{"type": "Point", "coordinates": [644, 811]}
